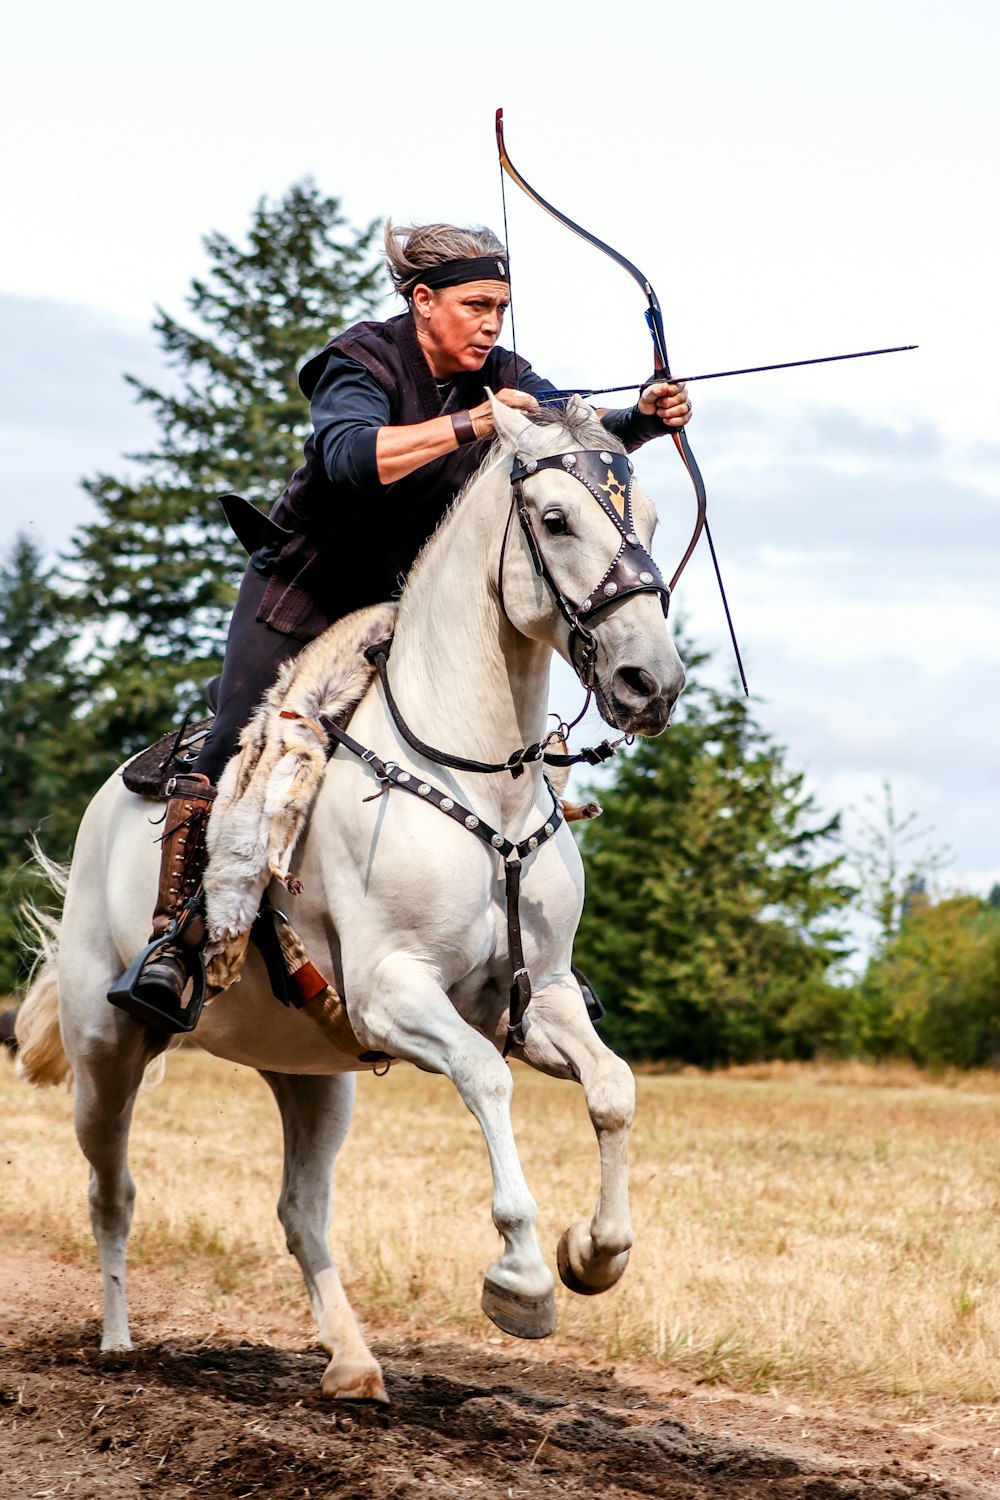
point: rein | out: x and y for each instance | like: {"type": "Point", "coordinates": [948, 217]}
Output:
{"type": "Point", "coordinates": [515, 763]}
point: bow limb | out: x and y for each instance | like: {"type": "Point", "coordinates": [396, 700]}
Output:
{"type": "Point", "coordinates": [654, 321]}
{"type": "Point", "coordinates": [661, 366]}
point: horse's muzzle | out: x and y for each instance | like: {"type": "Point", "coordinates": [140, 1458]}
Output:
{"type": "Point", "coordinates": [638, 703]}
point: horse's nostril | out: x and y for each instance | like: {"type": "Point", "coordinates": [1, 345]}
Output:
{"type": "Point", "coordinates": [637, 682]}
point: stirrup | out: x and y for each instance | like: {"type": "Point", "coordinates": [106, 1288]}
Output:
{"type": "Point", "coordinates": [591, 999]}
{"type": "Point", "coordinates": [162, 1017]}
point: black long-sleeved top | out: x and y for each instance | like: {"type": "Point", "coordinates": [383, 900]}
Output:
{"type": "Point", "coordinates": [353, 539]}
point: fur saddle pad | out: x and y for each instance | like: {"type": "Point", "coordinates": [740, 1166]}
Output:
{"type": "Point", "coordinates": [267, 789]}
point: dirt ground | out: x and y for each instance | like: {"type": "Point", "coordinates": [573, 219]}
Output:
{"type": "Point", "coordinates": [222, 1408]}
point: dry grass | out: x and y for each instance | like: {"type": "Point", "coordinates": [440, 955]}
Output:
{"type": "Point", "coordinates": [831, 1230]}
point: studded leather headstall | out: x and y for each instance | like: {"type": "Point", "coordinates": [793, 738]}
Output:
{"type": "Point", "coordinates": [608, 477]}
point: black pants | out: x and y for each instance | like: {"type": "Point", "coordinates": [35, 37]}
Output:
{"type": "Point", "coordinates": [254, 652]}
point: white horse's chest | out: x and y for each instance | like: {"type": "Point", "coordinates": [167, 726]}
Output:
{"type": "Point", "coordinates": [399, 872]}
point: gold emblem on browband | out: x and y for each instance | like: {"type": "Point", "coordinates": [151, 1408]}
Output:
{"type": "Point", "coordinates": [615, 491]}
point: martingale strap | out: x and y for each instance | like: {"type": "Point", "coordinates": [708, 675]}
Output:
{"type": "Point", "coordinates": [390, 774]}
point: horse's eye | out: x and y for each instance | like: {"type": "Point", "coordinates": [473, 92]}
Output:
{"type": "Point", "coordinates": [555, 523]}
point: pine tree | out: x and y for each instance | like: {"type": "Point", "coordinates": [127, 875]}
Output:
{"type": "Point", "coordinates": [155, 575]}
{"type": "Point", "coordinates": [708, 925]}
{"type": "Point", "coordinates": [44, 748]}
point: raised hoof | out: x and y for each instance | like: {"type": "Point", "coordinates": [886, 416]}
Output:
{"type": "Point", "coordinates": [572, 1281]}
{"type": "Point", "coordinates": [354, 1383]}
{"type": "Point", "coordinates": [523, 1317]}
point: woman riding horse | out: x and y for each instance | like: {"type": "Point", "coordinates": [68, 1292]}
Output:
{"type": "Point", "coordinates": [400, 421]}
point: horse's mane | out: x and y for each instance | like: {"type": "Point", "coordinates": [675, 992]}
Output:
{"type": "Point", "coordinates": [565, 428]}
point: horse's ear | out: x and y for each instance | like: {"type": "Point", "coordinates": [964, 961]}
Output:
{"type": "Point", "coordinates": [511, 424]}
{"type": "Point", "coordinates": [577, 407]}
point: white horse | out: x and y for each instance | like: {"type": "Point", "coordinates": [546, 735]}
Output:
{"type": "Point", "coordinates": [401, 905]}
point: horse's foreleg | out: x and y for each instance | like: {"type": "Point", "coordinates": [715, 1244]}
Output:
{"type": "Point", "coordinates": [560, 1039]}
{"type": "Point", "coordinates": [315, 1115]}
{"type": "Point", "coordinates": [400, 1008]}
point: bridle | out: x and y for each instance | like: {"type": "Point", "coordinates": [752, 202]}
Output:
{"type": "Point", "coordinates": [608, 478]}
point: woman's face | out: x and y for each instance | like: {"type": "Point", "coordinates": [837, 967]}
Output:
{"type": "Point", "coordinates": [458, 325]}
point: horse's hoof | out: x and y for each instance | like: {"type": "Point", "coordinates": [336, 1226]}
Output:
{"type": "Point", "coordinates": [575, 1283]}
{"type": "Point", "coordinates": [354, 1383]}
{"type": "Point", "coordinates": [523, 1317]}
{"type": "Point", "coordinates": [116, 1343]}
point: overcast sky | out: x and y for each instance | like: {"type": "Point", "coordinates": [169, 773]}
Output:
{"type": "Point", "coordinates": [796, 180]}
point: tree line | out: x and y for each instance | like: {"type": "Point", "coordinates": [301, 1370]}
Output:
{"type": "Point", "coordinates": [714, 927]}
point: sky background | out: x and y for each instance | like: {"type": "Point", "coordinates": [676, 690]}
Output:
{"type": "Point", "coordinates": [796, 180]}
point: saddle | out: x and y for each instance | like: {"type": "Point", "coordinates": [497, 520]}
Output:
{"type": "Point", "coordinates": [148, 773]}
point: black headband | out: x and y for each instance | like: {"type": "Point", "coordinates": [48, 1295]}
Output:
{"type": "Point", "coordinates": [454, 272]}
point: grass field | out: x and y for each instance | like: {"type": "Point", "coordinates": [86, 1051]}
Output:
{"type": "Point", "coordinates": [831, 1231]}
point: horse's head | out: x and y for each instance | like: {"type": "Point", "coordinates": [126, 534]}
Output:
{"type": "Point", "coordinates": [576, 570]}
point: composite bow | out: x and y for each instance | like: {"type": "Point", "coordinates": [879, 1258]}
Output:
{"type": "Point", "coordinates": [661, 369]}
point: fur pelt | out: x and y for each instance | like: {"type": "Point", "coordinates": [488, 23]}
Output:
{"type": "Point", "coordinates": [267, 789]}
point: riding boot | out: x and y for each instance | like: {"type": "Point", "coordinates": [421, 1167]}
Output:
{"type": "Point", "coordinates": [155, 993]}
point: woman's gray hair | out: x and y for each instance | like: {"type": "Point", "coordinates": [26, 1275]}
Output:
{"type": "Point", "coordinates": [414, 248]}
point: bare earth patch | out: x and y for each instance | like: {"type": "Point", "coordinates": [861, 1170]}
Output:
{"type": "Point", "coordinates": [238, 1414]}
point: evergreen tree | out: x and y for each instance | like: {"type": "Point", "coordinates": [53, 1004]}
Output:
{"type": "Point", "coordinates": [155, 575]}
{"type": "Point", "coordinates": [708, 922]}
{"type": "Point", "coordinates": [44, 749]}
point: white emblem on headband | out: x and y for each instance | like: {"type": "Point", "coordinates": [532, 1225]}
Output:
{"type": "Point", "coordinates": [501, 268]}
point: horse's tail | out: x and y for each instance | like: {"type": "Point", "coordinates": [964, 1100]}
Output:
{"type": "Point", "coordinates": [41, 1056]}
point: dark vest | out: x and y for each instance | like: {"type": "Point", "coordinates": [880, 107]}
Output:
{"type": "Point", "coordinates": [352, 548]}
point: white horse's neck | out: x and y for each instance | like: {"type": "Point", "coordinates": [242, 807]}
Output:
{"type": "Point", "coordinates": [464, 679]}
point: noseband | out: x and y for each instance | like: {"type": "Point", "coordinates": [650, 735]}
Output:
{"type": "Point", "coordinates": [608, 477]}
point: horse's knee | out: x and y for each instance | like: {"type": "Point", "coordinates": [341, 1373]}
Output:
{"type": "Point", "coordinates": [611, 1094]}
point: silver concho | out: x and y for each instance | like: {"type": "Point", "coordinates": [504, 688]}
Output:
{"type": "Point", "coordinates": [645, 577]}
{"type": "Point", "coordinates": [549, 830]}
{"type": "Point", "coordinates": [531, 465]}
{"type": "Point", "coordinates": [605, 458]}
{"type": "Point", "coordinates": [471, 822]}
{"type": "Point", "coordinates": [423, 789]}
{"type": "Point", "coordinates": [532, 842]}
{"type": "Point", "coordinates": [586, 603]}
{"type": "Point", "coordinates": [446, 804]}
{"type": "Point", "coordinates": [610, 588]}
{"type": "Point", "coordinates": [404, 777]}
{"type": "Point", "coordinates": [497, 841]}
{"type": "Point", "coordinates": [632, 539]}
{"type": "Point", "coordinates": [568, 460]}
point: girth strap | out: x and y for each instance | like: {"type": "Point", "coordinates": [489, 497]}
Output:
{"type": "Point", "coordinates": [390, 774]}
{"type": "Point", "coordinates": [520, 985]}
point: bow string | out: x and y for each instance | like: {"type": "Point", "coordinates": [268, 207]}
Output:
{"type": "Point", "coordinates": [661, 371]}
